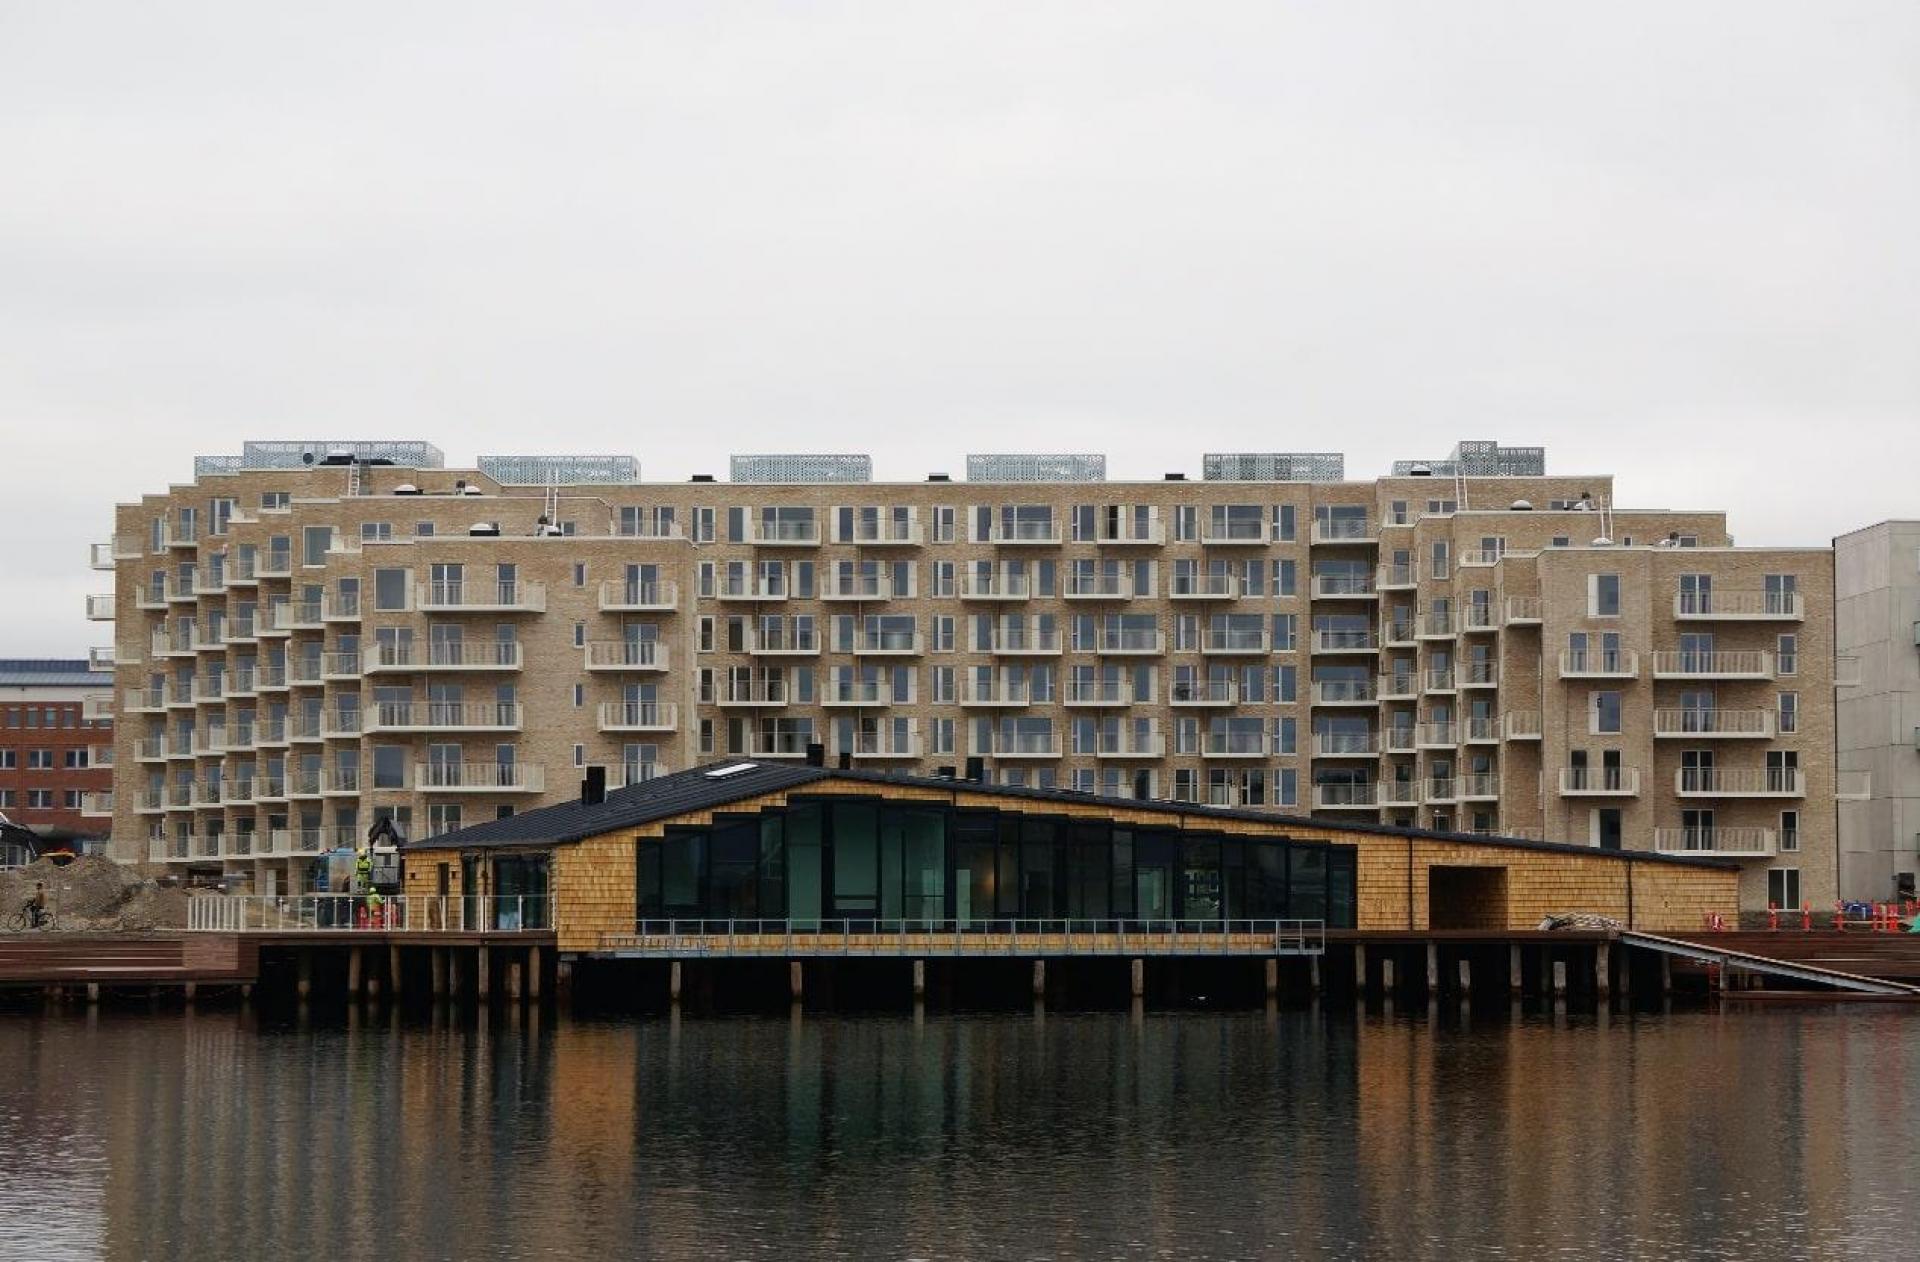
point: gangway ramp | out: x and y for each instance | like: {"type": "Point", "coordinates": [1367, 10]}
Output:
{"type": "Point", "coordinates": [1727, 957]}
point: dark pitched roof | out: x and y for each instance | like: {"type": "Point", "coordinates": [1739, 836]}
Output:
{"type": "Point", "coordinates": [700, 789]}
{"type": "Point", "coordinates": [52, 671]}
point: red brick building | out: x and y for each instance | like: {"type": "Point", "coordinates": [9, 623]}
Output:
{"type": "Point", "coordinates": [56, 748]}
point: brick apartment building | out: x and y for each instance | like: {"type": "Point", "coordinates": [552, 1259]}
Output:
{"type": "Point", "coordinates": [56, 748]}
{"type": "Point", "coordinates": [310, 636]}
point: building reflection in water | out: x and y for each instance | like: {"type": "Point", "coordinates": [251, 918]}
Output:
{"type": "Point", "coordinates": [1326, 1135]}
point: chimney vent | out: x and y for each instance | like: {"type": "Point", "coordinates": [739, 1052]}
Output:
{"type": "Point", "coordinates": [816, 755]}
{"type": "Point", "coordinates": [593, 788]}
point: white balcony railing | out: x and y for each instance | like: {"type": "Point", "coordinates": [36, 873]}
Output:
{"type": "Point", "coordinates": [618, 596]}
{"type": "Point", "coordinates": [480, 777]}
{"type": "Point", "coordinates": [639, 716]}
{"type": "Point", "coordinates": [1729, 842]}
{"type": "Point", "coordinates": [1599, 781]}
{"type": "Point", "coordinates": [1691, 664]}
{"type": "Point", "coordinates": [1599, 664]}
{"type": "Point", "coordinates": [624, 655]}
{"type": "Point", "coordinates": [1759, 782]}
{"type": "Point", "coordinates": [482, 597]}
{"type": "Point", "coordinates": [1203, 587]}
{"type": "Point", "coordinates": [1689, 723]}
{"type": "Point", "coordinates": [1722, 606]}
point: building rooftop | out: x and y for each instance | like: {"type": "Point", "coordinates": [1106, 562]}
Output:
{"type": "Point", "coordinates": [718, 784]}
{"type": "Point", "coordinates": [40, 672]}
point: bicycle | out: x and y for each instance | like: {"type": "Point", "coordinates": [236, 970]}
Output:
{"type": "Point", "coordinates": [30, 918]}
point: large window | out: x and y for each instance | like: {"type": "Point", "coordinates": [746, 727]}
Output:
{"type": "Point", "coordinates": [884, 862]}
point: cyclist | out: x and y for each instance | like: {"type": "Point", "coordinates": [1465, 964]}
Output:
{"type": "Point", "coordinates": [35, 910]}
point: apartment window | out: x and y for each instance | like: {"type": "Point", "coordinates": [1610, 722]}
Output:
{"type": "Point", "coordinates": [1605, 714]}
{"type": "Point", "coordinates": [314, 543]}
{"type": "Point", "coordinates": [1284, 627]}
{"type": "Point", "coordinates": [1438, 559]}
{"type": "Point", "coordinates": [75, 758]}
{"type": "Point", "coordinates": [579, 634]}
{"type": "Point", "coordinates": [579, 573]}
{"type": "Point", "coordinates": [276, 499]}
{"type": "Point", "coordinates": [374, 532]}
{"type": "Point", "coordinates": [940, 733]}
{"type": "Point", "coordinates": [579, 696]}
{"type": "Point", "coordinates": [705, 640]}
{"type": "Point", "coordinates": [40, 799]}
{"type": "Point", "coordinates": [1283, 523]}
{"type": "Point", "coordinates": [389, 766]}
{"type": "Point", "coordinates": [1789, 711]}
{"type": "Point", "coordinates": [1561, 541]}
{"type": "Point", "coordinates": [943, 633]}
{"type": "Point", "coordinates": [1786, 655]}
{"type": "Point", "coordinates": [8, 760]}
{"type": "Point", "coordinates": [423, 530]}
{"type": "Point", "coordinates": [1603, 595]}
{"type": "Point", "coordinates": [942, 578]}
{"type": "Point", "coordinates": [1789, 831]}
{"type": "Point", "coordinates": [1783, 887]}
{"type": "Point", "coordinates": [70, 798]}
{"type": "Point", "coordinates": [1285, 683]}
{"type": "Point", "coordinates": [1285, 578]}
{"type": "Point", "coordinates": [6, 798]}
{"type": "Point", "coordinates": [703, 525]}
{"type": "Point", "coordinates": [39, 760]}
{"type": "Point", "coordinates": [579, 755]}
{"type": "Point", "coordinates": [390, 589]}
{"type": "Point", "coordinates": [1288, 793]}
{"type": "Point", "coordinates": [943, 520]}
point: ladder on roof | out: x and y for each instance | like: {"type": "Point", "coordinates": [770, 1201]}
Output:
{"type": "Point", "coordinates": [353, 478]}
{"type": "Point", "coordinates": [552, 510]}
{"type": "Point", "coordinates": [1459, 486]}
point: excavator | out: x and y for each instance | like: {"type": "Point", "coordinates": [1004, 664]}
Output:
{"type": "Point", "coordinates": [33, 844]}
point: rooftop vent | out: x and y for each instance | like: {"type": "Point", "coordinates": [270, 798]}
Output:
{"type": "Point", "coordinates": [801, 468]}
{"type": "Point", "coordinates": [701, 477]}
{"type": "Point", "coordinates": [484, 528]}
{"type": "Point", "coordinates": [1176, 477]}
{"type": "Point", "coordinates": [1523, 506]}
{"type": "Point", "coordinates": [1022, 467]}
{"type": "Point", "coordinates": [1274, 466]}
{"type": "Point", "coordinates": [471, 490]}
{"type": "Point", "coordinates": [939, 477]}
{"type": "Point", "coordinates": [1419, 471]}
{"type": "Point", "coordinates": [406, 488]}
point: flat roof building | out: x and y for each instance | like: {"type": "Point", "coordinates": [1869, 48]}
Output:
{"type": "Point", "coordinates": [56, 747]}
{"type": "Point", "coordinates": [1877, 607]}
{"type": "Point", "coordinates": [304, 649]}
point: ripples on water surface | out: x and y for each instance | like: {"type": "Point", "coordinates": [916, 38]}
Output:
{"type": "Point", "coordinates": [1768, 1134]}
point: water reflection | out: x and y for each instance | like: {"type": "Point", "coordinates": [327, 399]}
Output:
{"type": "Point", "coordinates": [1336, 1135]}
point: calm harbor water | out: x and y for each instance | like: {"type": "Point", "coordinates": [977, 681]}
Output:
{"type": "Point", "coordinates": [1741, 1135]}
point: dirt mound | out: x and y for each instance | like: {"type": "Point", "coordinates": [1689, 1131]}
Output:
{"type": "Point", "coordinates": [94, 893]}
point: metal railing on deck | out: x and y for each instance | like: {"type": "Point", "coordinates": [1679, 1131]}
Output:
{"type": "Point", "coordinates": [349, 913]}
{"type": "Point", "coordinates": [902, 938]}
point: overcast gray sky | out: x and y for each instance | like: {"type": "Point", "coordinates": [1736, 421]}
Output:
{"type": "Point", "coordinates": [1673, 241]}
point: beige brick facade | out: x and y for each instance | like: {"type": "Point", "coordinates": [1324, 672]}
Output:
{"type": "Point", "coordinates": [296, 653]}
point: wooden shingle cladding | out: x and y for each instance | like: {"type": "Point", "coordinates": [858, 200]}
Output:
{"type": "Point", "coordinates": [594, 886]}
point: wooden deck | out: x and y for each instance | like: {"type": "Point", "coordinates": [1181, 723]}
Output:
{"type": "Point", "coordinates": [126, 959]}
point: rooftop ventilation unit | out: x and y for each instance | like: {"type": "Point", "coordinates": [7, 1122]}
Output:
{"type": "Point", "coordinates": [484, 528]}
{"type": "Point", "coordinates": [1023, 467]}
{"type": "Point", "coordinates": [801, 468]}
{"type": "Point", "coordinates": [1274, 466]}
{"type": "Point", "coordinates": [406, 488]}
{"type": "Point", "coordinates": [1479, 459]}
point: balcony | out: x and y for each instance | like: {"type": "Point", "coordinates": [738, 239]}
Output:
{"type": "Point", "coordinates": [148, 595]}
{"type": "Point", "coordinates": [888, 644]}
{"type": "Point", "coordinates": [1479, 730]}
{"type": "Point", "coordinates": [1430, 735]}
{"type": "Point", "coordinates": [299, 615]}
{"type": "Point", "coordinates": [1344, 692]}
{"type": "Point", "coordinates": [626, 775]}
{"type": "Point", "coordinates": [1716, 842]}
{"type": "Point", "coordinates": [1034, 533]}
{"type": "Point", "coordinates": [1399, 738]}
{"type": "Point", "coordinates": [1099, 587]}
{"type": "Point", "coordinates": [855, 694]}
{"type": "Point", "coordinates": [778, 744]}
{"type": "Point", "coordinates": [857, 587]}
{"type": "Point", "coordinates": [1346, 745]}
{"type": "Point", "coordinates": [782, 644]}
{"type": "Point", "coordinates": [1234, 745]}
{"type": "Point", "coordinates": [1397, 577]}
{"type": "Point", "coordinates": [1689, 724]}
{"type": "Point", "coordinates": [270, 731]}
{"type": "Point", "coordinates": [884, 744]}
{"type": "Point", "coordinates": [1599, 664]}
{"type": "Point", "coordinates": [1480, 558]}
{"type": "Point", "coordinates": [1439, 791]}
{"type": "Point", "coordinates": [1398, 633]}
{"type": "Point", "coordinates": [1203, 587]}
{"type": "Point", "coordinates": [1436, 624]}
{"type": "Point", "coordinates": [1743, 782]}
{"type": "Point", "coordinates": [1344, 587]}
{"type": "Point", "coordinates": [479, 777]}
{"type": "Point", "coordinates": [102, 556]}
{"type": "Point", "coordinates": [1477, 787]}
{"type": "Point", "coordinates": [1398, 792]}
{"type": "Point", "coordinates": [341, 782]}
{"type": "Point", "coordinates": [1130, 533]}
{"type": "Point", "coordinates": [270, 676]}
{"type": "Point", "coordinates": [340, 665]}
{"type": "Point", "coordinates": [1019, 642]}
{"type": "Point", "coordinates": [342, 607]}
{"type": "Point", "coordinates": [753, 590]}
{"type": "Point", "coordinates": [1097, 692]}
{"type": "Point", "coordinates": [305, 782]}
{"type": "Point", "coordinates": [1599, 781]}
{"type": "Point", "coordinates": [1133, 641]}
{"type": "Point", "coordinates": [1520, 725]}
{"type": "Point", "coordinates": [1225, 533]}
{"type": "Point", "coordinates": [1022, 745]}
{"type": "Point", "coordinates": [627, 655]}
{"type": "Point", "coordinates": [97, 804]}
{"type": "Point", "coordinates": [136, 701]}
{"type": "Point", "coordinates": [444, 716]}
{"type": "Point", "coordinates": [783, 534]}
{"type": "Point", "coordinates": [457, 655]}
{"type": "Point", "coordinates": [209, 580]}
{"type": "Point", "coordinates": [1129, 744]}
{"type": "Point", "coordinates": [150, 801]}
{"type": "Point", "coordinates": [1437, 679]}
{"type": "Point", "coordinates": [98, 706]}
{"type": "Point", "coordinates": [995, 694]}
{"type": "Point", "coordinates": [1479, 675]}
{"type": "Point", "coordinates": [180, 694]}
{"type": "Point", "coordinates": [995, 587]}
{"type": "Point", "coordinates": [1204, 692]}
{"type": "Point", "coordinates": [1404, 686]}
{"type": "Point", "coordinates": [1525, 611]}
{"type": "Point", "coordinates": [1477, 618]}
{"type": "Point", "coordinates": [100, 607]}
{"type": "Point", "coordinates": [1738, 607]}
{"type": "Point", "coordinates": [639, 716]}
{"type": "Point", "coordinates": [1357, 641]}
{"type": "Point", "coordinates": [754, 694]}
{"type": "Point", "coordinates": [1686, 664]}
{"type": "Point", "coordinates": [127, 548]}
{"type": "Point", "coordinates": [1235, 642]}
{"type": "Point", "coordinates": [884, 533]}
{"type": "Point", "coordinates": [1345, 797]}
{"type": "Point", "coordinates": [274, 563]}
{"type": "Point", "coordinates": [1342, 530]}
{"type": "Point", "coordinates": [150, 749]}
{"type": "Point", "coordinates": [479, 597]}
